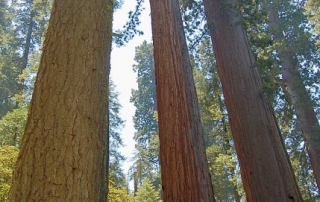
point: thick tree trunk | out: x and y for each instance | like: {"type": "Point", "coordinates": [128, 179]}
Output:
{"type": "Point", "coordinates": [62, 148]}
{"type": "Point", "coordinates": [265, 168]}
{"type": "Point", "coordinates": [307, 119]}
{"type": "Point", "coordinates": [184, 169]}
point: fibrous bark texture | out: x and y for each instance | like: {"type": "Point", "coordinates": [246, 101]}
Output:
{"type": "Point", "coordinates": [184, 169]}
{"type": "Point", "coordinates": [62, 148]}
{"type": "Point", "coordinates": [265, 168]}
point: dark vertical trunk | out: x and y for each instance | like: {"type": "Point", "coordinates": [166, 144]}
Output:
{"type": "Point", "coordinates": [265, 168]}
{"type": "Point", "coordinates": [184, 169]}
{"type": "Point", "coordinates": [135, 183]}
{"type": "Point", "coordinates": [27, 45]}
{"type": "Point", "coordinates": [302, 103]}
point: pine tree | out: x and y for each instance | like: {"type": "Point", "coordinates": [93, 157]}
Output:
{"type": "Point", "coordinates": [118, 189]}
{"type": "Point", "coordinates": [116, 123]}
{"type": "Point", "coordinates": [9, 61]}
{"type": "Point", "coordinates": [147, 193]}
{"type": "Point", "coordinates": [146, 161]}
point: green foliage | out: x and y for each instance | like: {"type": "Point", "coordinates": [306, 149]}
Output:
{"type": "Point", "coordinates": [116, 175]}
{"type": "Point", "coordinates": [300, 161]}
{"type": "Point", "coordinates": [12, 126]}
{"type": "Point", "coordinates": [313, 13]}
{"type": "Point", "coordinates": [130, 28]}
{"type": "Point", "coordinates": [118, 194]}
{"type": "Point", "coordinates": [147, 193]}
{"type": "Point", "coordinates": [9, 61]}
{"type": "Point", "coordinates": [220, 151]}
{"type": "Point", "coordinates": [225, 176]}
{"type": "Point", "coordinates": [8, 157]}
{"type": "Point", "coordinates": [115, 123]}
{"type": "Point", "coordinates": [22, 26]}
{"type": "Point", "coordinates": [144, 98]}
{"type": "Point", "coordinates": [146, 161]}
{"type": "Point", "coordinates": [194, 22]}
{"type": "Point", "coordinates": [291, 36]}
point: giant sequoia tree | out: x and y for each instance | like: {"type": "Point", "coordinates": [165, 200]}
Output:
{"type": "Point", "coordinates": [184, 170]}
{"type": "Point", "coordinates": [265, 168]}
{"type": "Point", "coordinates": [62, 148]}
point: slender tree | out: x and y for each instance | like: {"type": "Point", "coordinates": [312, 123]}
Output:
{"type": "Point", "coordinates": [291, 76]}
{"type": "Point", "coordinates": [62, 148]}
{"type": "Point", "coordinates": [265, 168]}
{"type": "Point", "coordinates": [184, 169]}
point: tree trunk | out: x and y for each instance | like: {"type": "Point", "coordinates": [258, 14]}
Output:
{"type": "Point", "coordinates": [184, 169]}
{"type": "Point", "coordinates": [265, 168]}
{"type": "Point", "coordinates": [61, 153]}
{"type": "Point", "coordinates": [303, 105]}
{"type": "Point", "coordinates": [26, 50]}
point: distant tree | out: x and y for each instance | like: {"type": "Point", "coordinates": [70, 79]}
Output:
{"type": "Point", "coordinates": [12, 126]}
{"type": "Point", "coordinates": [184, 169]}
{"type": "Point", "coordinates": [9, 61]}
{"type": "Point", "coordinates": [22, 31]}
{"type": "Point", "coordinates": [283, 45]}
{"type": "Point", "coordinates": [147, 193]}
{"type": "Point", "coordinates": [116, 123]}
{"type": "Point", "coordinates": [146, 158]}
{"type": "Point", "coordinates": [144, 98]}
{"type": "Point", "coordinates": [289, 44]}
{"type": "Point", "coordinates": [13, 122]}
{"type": "Point", "coordinates": [61, 155]}
{"type": "Point", "coordinates": [30, 18]}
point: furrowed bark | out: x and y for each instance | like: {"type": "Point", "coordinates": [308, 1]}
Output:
{"type": "Point", "coordinates": [184, 169]}
{"type": "Point", "coordinates": [265, 168]}
{"type": "Point", "coordinates": [61, 156]}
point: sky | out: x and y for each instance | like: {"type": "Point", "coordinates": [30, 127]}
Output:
{"type": "Point", "coordinates": [122, 74]}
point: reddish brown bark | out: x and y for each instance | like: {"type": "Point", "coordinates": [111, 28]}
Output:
{"type": "Point", "coordinates": [61, 156]}
{"type": "Point", "coordinates": [265, 168]}
{"type": "Point", "coordinates": [184, 169]}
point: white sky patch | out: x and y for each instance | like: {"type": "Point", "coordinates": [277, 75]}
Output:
{"type": "Point", "coordinates": [123, 76]}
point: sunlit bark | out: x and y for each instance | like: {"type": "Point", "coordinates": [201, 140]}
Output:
{"type": "Point", "coordinates": [61, 156]}
{"type": "Point", "coordinates": [184, 169]}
